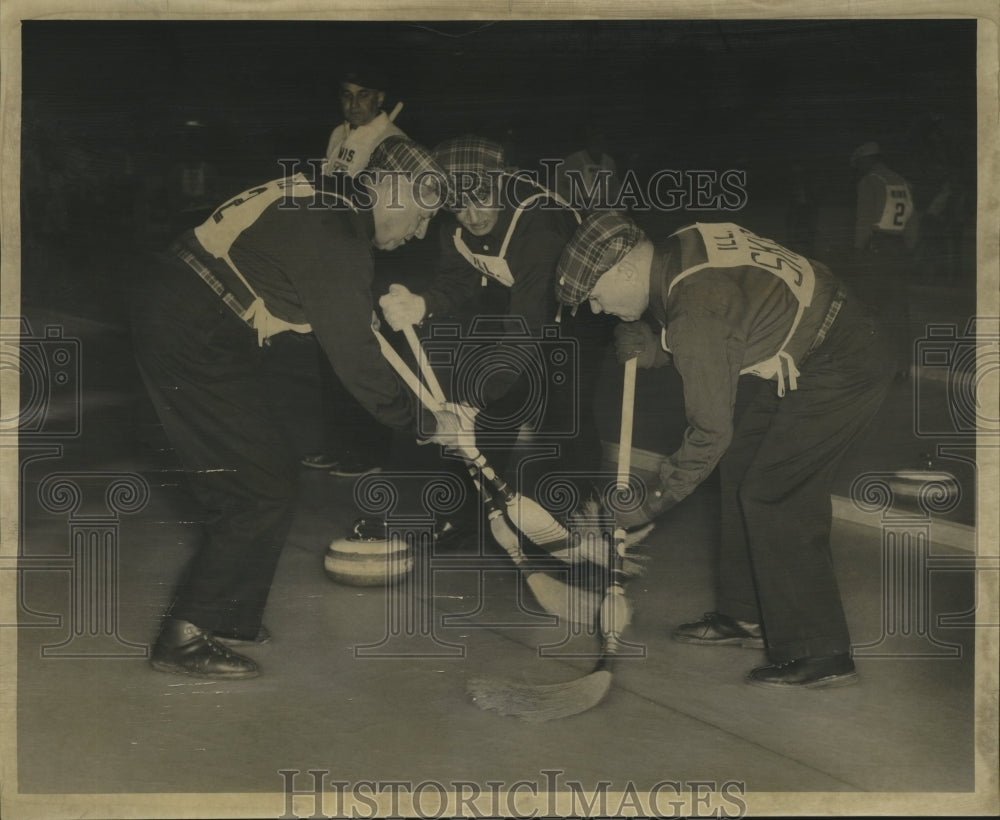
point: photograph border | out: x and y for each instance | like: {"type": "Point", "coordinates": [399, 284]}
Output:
{"type": "Point", "coordinates": [984, 800]}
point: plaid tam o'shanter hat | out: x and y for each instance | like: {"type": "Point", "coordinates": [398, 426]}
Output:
{"type": "Point", "coordinates": [600, 243]}
{"type": "Point", "coordinates": [399, 154]}
{"type": "Point", "coordinates": [472, 165]}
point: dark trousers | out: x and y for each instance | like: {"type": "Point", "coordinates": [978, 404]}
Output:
{"type": "Point", "coordinates": [881, 279]}
{"type": "Point", "coordinates": [203, 370]}
{"type": "Point", "coordinates": [348, 429]}
{"type": "Point", "coordinates": [775, 563]}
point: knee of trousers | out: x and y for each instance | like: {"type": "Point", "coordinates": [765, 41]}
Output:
{"type": "Point", "coordinates": [273, 491]}
{"type": "Point", "coordinates": [756, 492]}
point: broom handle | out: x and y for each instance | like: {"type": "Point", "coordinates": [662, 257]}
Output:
{"type": "Point", "coordinates": [625, 454]}
{"type": "Point", "coordinates": [615, 595]}
{"type": "Point", "coordinates": [435, 387]}
{"type": "Point", "coordinates": [432, 404]}
{"type": "Point", "coordinates": [407, 375]}
{"type": "Point", "coordinates": [425, 366]}
{"type": "Point", "coordinates": [628, 414]}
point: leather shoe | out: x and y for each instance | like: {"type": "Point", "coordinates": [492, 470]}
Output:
{"type": "Point", "coordinates": [716, 629]}
{"type": "Point", "coordinates": [263, 637]}
{"type": "Point", "coordinates": [806, 673]}
{"type": "Point", "coordinates": [186, 649]}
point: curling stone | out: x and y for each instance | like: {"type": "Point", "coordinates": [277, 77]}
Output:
{"type": "Point", "coordinates": [366, 560]}
{"type": "Point", "coordinates": [938, 488]}
{"type": "Point", "coordinates": [369, 556]}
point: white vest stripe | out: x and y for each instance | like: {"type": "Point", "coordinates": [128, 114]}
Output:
{"type": "Point", "coordinates": [219, 233]}
{"type": "Point", "coordinates": [729, 246]}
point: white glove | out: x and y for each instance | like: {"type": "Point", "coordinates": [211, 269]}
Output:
{"type": "Point", "coordinates": [402, 308]}
{"type": "Point", "coordinates": [456, 429]}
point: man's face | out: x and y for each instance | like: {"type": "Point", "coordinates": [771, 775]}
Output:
{"type": "Point", "coordinates": [623, 290]}
{"type": "Point", "coordinates": [361, 105]}
{"type": "Point", "coordinates": [398, 215]}
{"type": "Point", "coordinates": [478, 220]}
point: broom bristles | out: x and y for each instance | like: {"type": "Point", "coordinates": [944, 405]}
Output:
{"type": "Point", "coordinates": [543, 702]}
{"type": "Point", "coordinates": [535, 521]}
{"type": "Point", "coordinates": [568, 603]}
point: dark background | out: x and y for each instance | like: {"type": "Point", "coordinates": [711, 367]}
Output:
{"type": "Point", "coordinates": [115, 111]}
{"type": "Point", "coordinates": [105, 104]}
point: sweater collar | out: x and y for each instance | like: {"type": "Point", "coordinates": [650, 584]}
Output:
{"type": "Point", "coordinates": [661, 271]}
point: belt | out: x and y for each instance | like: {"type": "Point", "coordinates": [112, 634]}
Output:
{"type": "Point", "coordinates": [831, 314]}
{"type": "Point", "coordinates": [231, 301]}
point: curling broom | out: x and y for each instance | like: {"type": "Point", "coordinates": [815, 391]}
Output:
{"type": "Point", "coordinates": [567, 602]}
{"type": "Point", "coordinates": [557, 700]}
{"type": "Point", "coordinates": [556, 597]}
{"type": "Point", "coordinates": [526, 514]}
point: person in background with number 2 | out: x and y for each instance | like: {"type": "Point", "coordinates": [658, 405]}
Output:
{"type": "Point", "coordinates": [885, 233]}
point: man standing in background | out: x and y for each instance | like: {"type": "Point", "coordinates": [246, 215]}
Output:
{"type": "Point", "coordinates": [362, 93]}
{"type": "Point", "coordinates": [354, 443]}
{"type": "Point", "coordinates": [885, 234]}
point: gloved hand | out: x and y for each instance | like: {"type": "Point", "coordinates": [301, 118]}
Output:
{"type": "Point", "coordinates": [402, 308]}
{"type": "Point", "coordinates": [456, 428]}
{"type": "Point", "coordinates": [636, 340]}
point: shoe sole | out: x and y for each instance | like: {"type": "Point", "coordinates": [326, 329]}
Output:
{"type": "Point", "coordinates": [831, 682]}
{"type": "Point", "coordinates": [744, 643]}
{"type": "Point", "coordinates": [241, 642]}
{"type": "Point", "coordinates": [160, 666]}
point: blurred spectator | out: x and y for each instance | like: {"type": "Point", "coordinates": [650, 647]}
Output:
{"type": "Point", "coordinates": [943, 197]}
{"type": "Point", "coordinates": [362, 93]}
{"type": "Point", "coordinates": [885, 233]}
{"type": "Point", "coordinates": [354, 442]}
{"type": "Point", "coordinates": [802, 213]}
{"type": "Point", "coordinates": [193, 188]}
{"type": "Point", "coordinates": [588, 179]}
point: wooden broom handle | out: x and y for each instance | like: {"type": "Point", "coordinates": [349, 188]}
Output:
{"type": "Point", "coordinates": [425, 366]}
{"type": "Point", "coordinates": [407, 375]}
{"type": "Point", "coordinates": [628, 414]}
{"type": "Point", "coordinates": [499, 485]}
{"type": "Point", "coordinates": [421, 391]}
{"type": "Point", "coordinates": [624, 468]}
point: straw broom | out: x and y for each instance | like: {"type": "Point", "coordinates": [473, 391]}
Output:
{"type": "Point", "coordinates": [568, 602]}
{"type": "Point", "coordinates": [526, 514]}
{"type": "Point", "coordinates": [545, 702]}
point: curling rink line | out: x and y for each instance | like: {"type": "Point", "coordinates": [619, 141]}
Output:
{"type": "Point", "coordinates": [944, 532]}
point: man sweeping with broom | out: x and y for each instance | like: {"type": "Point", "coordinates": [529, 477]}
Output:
{"type": "Point", "coordinates": [728, 303]}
